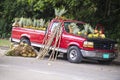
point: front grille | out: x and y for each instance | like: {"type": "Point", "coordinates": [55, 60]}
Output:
{"type": "Point", "coordinates": [103, 45]}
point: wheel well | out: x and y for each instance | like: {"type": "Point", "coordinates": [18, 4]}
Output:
{"type": "Point", "coordinates": [72, 45]}
{"type": "Point", "coordinates": [24, 37]}
{"type": "Point", "coordinates": [76, 46]}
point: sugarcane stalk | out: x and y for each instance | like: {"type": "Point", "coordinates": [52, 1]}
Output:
{"type": "Point", "coordinates": [47, 45]}
{"type": "Point", "coordinates": [53, 55]}
{"type": "Point", "coordinates": [59, 43]}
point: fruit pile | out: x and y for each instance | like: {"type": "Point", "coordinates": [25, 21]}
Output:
{"type": "Point", "coordinates": [96, 34]}
{"type": "Point", "coordinates": [38, 24]}
{"type": "Point", "coordinates": [21, 50]}
{"type": "Point", "coordinates": [89, 32]}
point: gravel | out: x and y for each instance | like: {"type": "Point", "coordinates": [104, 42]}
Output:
{"type": "Point", "coordinates": [3, 50]}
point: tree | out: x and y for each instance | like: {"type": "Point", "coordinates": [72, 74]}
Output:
{"type": "Point", "coordinates": [105, 12]}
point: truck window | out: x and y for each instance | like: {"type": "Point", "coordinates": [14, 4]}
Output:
{"type": "Point", "coordinates": [55, 24]}
{"type": "Point", "coordinates": [66, 26]}
{"type": "Point", "coordinates": [75, 27]}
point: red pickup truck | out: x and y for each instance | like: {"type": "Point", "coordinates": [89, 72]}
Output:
{"type": "Point", "coordinates": [75, 47]}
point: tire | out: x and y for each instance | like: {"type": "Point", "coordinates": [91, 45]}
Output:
{"type": "Point", "coordinates": [24, 40]}
{"type": "Point", "coordinates": [74, 55]}
{"type": "Point", "coordinates": [105, 62]}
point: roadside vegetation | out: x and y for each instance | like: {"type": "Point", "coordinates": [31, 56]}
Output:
{"type": "Point", "coordinates": [105, 12]}
{"type": "Point", "coordinates": [4, 42]}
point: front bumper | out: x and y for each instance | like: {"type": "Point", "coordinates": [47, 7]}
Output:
{"type": "Point", "coordinates": [98, 55]}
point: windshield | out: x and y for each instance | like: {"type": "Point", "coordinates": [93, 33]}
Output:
{"type": "Point", "coordinates": [73, 25]}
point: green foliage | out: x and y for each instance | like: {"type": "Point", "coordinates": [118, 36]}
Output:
{"type": "Point", "coordinates": [4, 42]}
{"type": "Point", "coordinates": [105, 12]}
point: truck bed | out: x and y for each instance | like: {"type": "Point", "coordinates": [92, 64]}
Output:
{"type": "Point", "coordinates": [35, 36]}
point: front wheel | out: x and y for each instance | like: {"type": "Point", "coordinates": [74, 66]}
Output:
{"type": "Point", "coordinates": [74, 54]}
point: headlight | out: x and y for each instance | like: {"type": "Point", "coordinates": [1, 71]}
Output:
{"type": "Point", "coordinates": [88, 44]}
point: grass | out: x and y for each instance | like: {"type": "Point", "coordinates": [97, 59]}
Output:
{"type": "Point", "coordinates": [4, 42]}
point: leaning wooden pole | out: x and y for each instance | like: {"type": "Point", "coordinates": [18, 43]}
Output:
{"type": "Point", "coordinates": [48, 41]}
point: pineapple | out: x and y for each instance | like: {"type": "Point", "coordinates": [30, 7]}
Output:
{"type": "Point", "coordinates": [33, 54]}
{"type": "Point", "coordinates": [16, 22]}
{"type": "Point", "coordinates": [29, 54]}
{"type": "Point", "coordinates": [38, 24]}
{"type": "Point", "coordinates": [24, 55]}
{"type": "Point", "coordinates": [34, 24]}
{"type": "Point", "coordinates": [47, 23]}
{"type": "Point", "coordinates": [96, 35]}
{"type": "Point", "coordinates": [79, 33]}
{"type": "Point", "coordinates": [29, 23]}
{"type": "Point", "coordinates": [86, 27]}
{"type": "Point", "coordinates": [21, 22]}
{"type": "Point", "coordinates": [102, 35]}
{"type": "Point", "coordinates": [59, 12]}
{"type": "Point", "coordinates": [95, 31]}
{"type": "Point", "coordinates": [90, 28]}
{"type": "Point", "coordinates": [90, 35]}
{"type": "Point", "coordinates": [24, 22]}
{"type": "Point", "coordinates": [12, 45]}
{"type": "Point", "coordinates": [42, 24]}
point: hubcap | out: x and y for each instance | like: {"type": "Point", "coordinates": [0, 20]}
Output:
{"type": "Point", "coordinates": [73, 54]}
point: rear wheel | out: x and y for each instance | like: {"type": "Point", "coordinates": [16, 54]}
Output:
{"type": "Point", "coordinates": [25, 40]}
{"type": "Point", "coordinates": [74, 54]}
